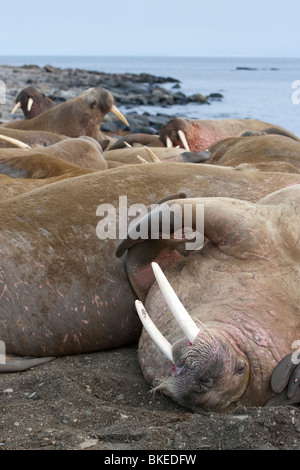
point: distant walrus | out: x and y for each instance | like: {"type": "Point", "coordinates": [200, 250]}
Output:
{"type": "Point", "coordinates": [32, 102]}
{"type": "Point", "coordinates": [197, 135]}
{"type": "Point", "coordinates": [62, 290]}
{"type": "Point", "coordinates": [78, 116]}
{"type": "Point", "coordinates": [236, 314]}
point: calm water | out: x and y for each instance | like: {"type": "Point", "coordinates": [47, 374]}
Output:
{"type": "Point", "coordinates": [264, 93]}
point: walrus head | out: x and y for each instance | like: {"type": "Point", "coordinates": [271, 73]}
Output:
{"type": "Point", "coordinates": [32, 102]}
{"type": "Point", "coordinates": [207, 368]}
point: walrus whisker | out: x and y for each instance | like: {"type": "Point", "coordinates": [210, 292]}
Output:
{"type": "Point", "coordinates": [15, 142]}
{"type": "Point", "coordinates": [119, 115]}
{"type": "Point", "coordinates": [184, 142]}
{"type": "Point", "coordinates": [16, 107]}
{"type": "Point", "coordinates": [161, 342]}
{"type": "Point", "coordinates": [29, 104]}
{"type": "Point", "coordinates": [183, 318]}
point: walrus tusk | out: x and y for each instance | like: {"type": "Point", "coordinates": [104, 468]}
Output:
{"type": "Point", "coordinates": [127, 144]}
{"type": "Point", "coordinates": [119, 115]}
{"type": "Point", "coordinates": [182, 137]}
{"type": "Point", "coordinates": [152, 155]}
{"type": "Point", "coordinates": [169, 142]}
{"type": "Point", "coordinates": [16, 107]}
{"type": "Point", "coordinates": [141, 159]}
{"type": "Point", "coordinates": [161, 342]}
{"type": "Point", "coordinates": [29, 104]}
{"type": "Point", "coordinates": [183, 318]}
{"type": "Point", "coordinates": [15, 142]}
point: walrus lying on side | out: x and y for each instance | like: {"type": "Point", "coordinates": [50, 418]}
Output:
{"type": "Point", "coordinates": [236, 314]}
{"type": "Point", "coordinates": [82, 151]}
{"type": "Point", "coordinates": [268, 152]}
{"type": "Point", "coordinates": [78, 116]}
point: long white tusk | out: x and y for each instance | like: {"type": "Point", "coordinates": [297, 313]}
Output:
{"type": "Point", "coordinates": [183, 318]}
{"type": "Point", "coordinates": [16, 107]}
{"type": "Point", "coordinates": [29, 104]}
{"type": "Point", "coordinates": [127, 144]}
{"type": "Point", "coordinates": [15, 142]}
{"type": "Point", "coordinates": [161, 342]}
{"type": "Point", "coordinates": [169, 142]}
{"type": "Point", "coordinates": [182, 137]}
{"type": "Point", "coordinates": [119, 115]}
{"type": "Point", "coordinates": [152, 155]}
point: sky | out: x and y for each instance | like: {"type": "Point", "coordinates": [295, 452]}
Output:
{"type": "Point", "coordinates": [210, 28]}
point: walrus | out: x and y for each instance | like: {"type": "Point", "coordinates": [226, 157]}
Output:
{"type": "Point", "coordinates": [137, 139]}
{"type": "Point", "coordinates": [134, 155]}
{"type": "Point", "coordinates": [31, 138]}
{"type": "Point", "coordinates": [78, 116]}
{"type": "Point", "coordinates": [235, 313]}
{"type": "Point", "coordinates": [197, 135]}
{"type": "Point", "coordinates": [32, 102]}
{"type": "Point", "coordinates": [267, 151]}
{"type": "Point", "coordinates": [82, 151]}
{"type": "Point", "coordinates": [62, 289]}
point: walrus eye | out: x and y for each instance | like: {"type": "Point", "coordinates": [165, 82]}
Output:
{"type": "Point", "coordinates": [93, 104]}
{"type": "Point", "coordinates": [240, 368]}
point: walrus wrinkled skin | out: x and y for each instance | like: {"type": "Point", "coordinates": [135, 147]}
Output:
{"type": "Point", "coordinates": [76, 117]}
{"type": "Point", "coordinates": [32, 102]}
{"type": "Point", "coordinates": [62, 289]}
{"type": "Point", "coordinates": [200, 134]}
{"type": "Point", "coordinates": [267, 152]}
{"type": "Point", "coordinates": [242, 291]}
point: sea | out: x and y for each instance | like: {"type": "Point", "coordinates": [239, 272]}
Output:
{"type": "Point", "coordinates": [267, 89]}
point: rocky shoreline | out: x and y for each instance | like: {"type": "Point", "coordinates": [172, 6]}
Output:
{"type": "Point", "coordinates": [129, 90]}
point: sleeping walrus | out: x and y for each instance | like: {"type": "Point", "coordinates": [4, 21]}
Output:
{"type": "Point", "coordinates": [236, 314]}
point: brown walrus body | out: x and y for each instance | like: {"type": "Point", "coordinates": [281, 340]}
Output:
{"type": "Point", "coordinates": [200, 134]}
{"type": "Point", "coordinates": [83, 151]}
{"type": "Point", "coordinates": [241, 291]}
{"type": "Point", "coordinates": [63, 291]}
{"type": "Point", "coordinates": [31, 138]}
{"type": "Point", "coordinates": [269, 152]}
{"type": "Point", "coordinates": [78, 116]}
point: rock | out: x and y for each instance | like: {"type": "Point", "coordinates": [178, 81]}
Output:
{"type": "Point", "coordinates": [198, 98]}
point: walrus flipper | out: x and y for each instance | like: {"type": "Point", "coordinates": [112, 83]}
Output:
{"type": "Point", "coordinates": [19, 363]}
{"type": "Point", "coordinates": [285, 381]}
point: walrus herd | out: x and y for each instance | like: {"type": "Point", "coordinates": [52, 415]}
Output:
{"type": "Point", "coordinates": [88, 263]}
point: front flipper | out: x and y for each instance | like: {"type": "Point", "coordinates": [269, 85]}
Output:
{"type": "Point", "coordinates": [285, 381]}
{"type": "Point", "coordinates": [19, 363]}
